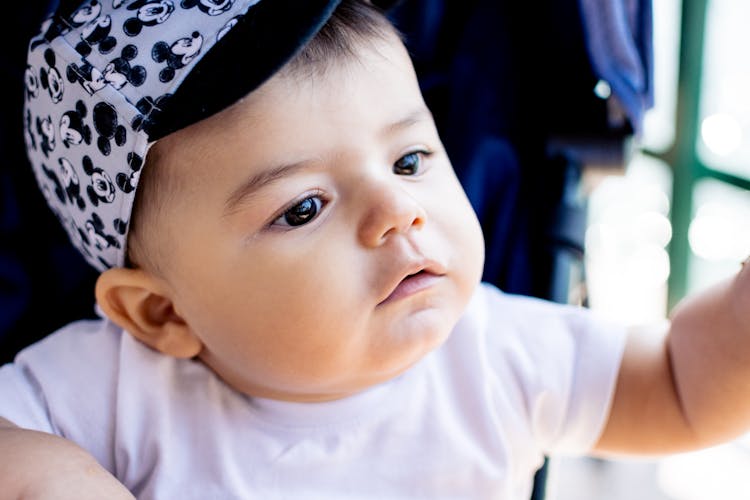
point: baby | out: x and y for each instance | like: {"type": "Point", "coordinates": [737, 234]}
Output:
{"type": "Point", "coordinates": [290, 282]}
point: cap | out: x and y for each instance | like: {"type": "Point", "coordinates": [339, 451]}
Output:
{"type": "Point", "coordinates": [105, 79]}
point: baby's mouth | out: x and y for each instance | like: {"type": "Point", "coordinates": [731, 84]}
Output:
{"type": "Point", "coordinates": [412, 284]}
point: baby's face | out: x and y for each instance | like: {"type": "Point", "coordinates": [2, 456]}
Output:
{"type": "Point", "coordinates": [324, 243]}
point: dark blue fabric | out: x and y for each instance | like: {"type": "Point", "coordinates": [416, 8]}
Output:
{"type": "Point", "coordinates": [14, 287]}
{"type": "Point", "coordinates": [619, 40]}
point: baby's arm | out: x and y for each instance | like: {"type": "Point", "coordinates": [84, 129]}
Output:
{"type": "Point", "coordinates": [37, 465]}
{"type": "Point", "coordinates": [689, 388]}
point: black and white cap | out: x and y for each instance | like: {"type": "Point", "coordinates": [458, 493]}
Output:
{"type": "Point", "coordinates": [107, 78]}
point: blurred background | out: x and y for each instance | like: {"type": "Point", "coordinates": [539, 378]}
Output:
{"type": "Point", "coordinates": [675, 220]}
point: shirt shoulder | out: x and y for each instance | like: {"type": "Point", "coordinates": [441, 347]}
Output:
{"type": "Point", "coordinates": [66, 384]}
{"type": "Point", "coordinates": [80, 341]}
{"type": "Point", "coordinates": [556, 364]}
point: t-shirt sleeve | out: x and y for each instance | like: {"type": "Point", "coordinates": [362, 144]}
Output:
{"type": "Point", "coordinates": [65, 384]}
{"type": "Point", "coordinates": [563, 361]}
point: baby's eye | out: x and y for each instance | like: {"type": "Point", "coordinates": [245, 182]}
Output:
{"type": "Point", "coordinates": [301, 213]}
{"type": "Point", "coordinates": [409, 164]}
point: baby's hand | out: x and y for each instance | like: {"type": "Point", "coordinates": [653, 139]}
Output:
{"type": "Point", "coordinates": [40, 466]}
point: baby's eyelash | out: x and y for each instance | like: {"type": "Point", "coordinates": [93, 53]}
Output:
{"type": "Point", "coordinates": [410, 164]}
{"type": "Point", "coordinates": [300, 212]}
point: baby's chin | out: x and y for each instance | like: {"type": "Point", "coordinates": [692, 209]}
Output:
{"type": "Point", "coordinates": [420, 334]}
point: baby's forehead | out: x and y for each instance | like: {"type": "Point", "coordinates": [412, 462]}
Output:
{"type": "Point", "coordinates": [310, 85]}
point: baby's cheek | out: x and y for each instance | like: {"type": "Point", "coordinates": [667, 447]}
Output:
{"type": "Point", "coordinates": [471, 249]}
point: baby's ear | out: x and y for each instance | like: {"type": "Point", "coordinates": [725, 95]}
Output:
{"type": "Point", "coordinates": [141, 304]}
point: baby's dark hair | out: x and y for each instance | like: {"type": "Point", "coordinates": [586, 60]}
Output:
{"type": "Point", "coordinates": [352, 24]}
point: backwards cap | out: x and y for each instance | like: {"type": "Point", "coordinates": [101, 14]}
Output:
{"type": "Point", "coordinates": [106, 78]}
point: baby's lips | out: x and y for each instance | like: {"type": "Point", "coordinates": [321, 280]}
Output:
{"type": "Point", "coordinates": [414, 275]}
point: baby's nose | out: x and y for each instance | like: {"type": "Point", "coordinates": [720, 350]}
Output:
{"type": "Point", "coordinates": [391, 210]}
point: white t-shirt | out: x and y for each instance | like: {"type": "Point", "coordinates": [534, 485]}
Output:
{"type": "Point", "coordinates": [517, 379]}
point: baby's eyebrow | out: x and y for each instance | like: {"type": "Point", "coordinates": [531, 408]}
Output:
{"type": "Point", "coordinates": [254, 183]}
{"type": "Point", "coordinates": [418, 115]}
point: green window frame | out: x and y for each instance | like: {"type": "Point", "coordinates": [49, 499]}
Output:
{"type": "Point", "coordinates": [682, 157]}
